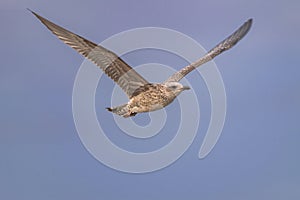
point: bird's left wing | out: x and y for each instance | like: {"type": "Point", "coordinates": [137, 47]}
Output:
{"type": "Point", "coordinates": [113, 66]}
{"type": "Point", "coordinates": [218, 49]}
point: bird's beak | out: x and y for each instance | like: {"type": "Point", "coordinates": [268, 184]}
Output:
{"type": "Point", "coordinates": [186, 88]}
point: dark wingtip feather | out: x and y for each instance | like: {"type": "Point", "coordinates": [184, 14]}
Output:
{"type": "Point", "coordinates": [250, 20]}
{"type": "Point", "coordinates": [248, 25]}
{"type": "Point", "coordinates": [32, 12]}
{"type": "Point", "coordinates": [38, 16]}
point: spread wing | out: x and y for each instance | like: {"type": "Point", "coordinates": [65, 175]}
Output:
{"type": "Point", "coordinates": [113, 66]}
{"type": "Point", "coordinates": [218, 49]}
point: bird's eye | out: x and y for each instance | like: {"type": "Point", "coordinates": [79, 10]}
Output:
{"type": "Point", "coordinates": [173, 86]}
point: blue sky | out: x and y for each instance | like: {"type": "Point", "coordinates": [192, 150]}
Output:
{"type": "Point", "coordinates": [256, 157]}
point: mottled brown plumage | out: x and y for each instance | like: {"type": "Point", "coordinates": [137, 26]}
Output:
{"type": "Point", "coordinates": [155, 97]}
{"type": "Point", "coordinates": [144, 96]}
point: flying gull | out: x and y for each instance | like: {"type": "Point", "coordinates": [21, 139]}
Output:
{"type": "Point", "coordinates": [143, 96]}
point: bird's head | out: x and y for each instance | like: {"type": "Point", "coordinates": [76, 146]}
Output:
{"type": "Point", "coordinates": [176, 87]}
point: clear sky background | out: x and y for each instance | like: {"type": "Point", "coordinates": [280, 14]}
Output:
{"type": "Point", "coordinates": [257, 156]}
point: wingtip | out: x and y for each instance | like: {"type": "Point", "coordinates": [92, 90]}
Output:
{"type": "Point", "coordinates": [42, 19]}
{"type": "Point", "coordinates": [246, 26]}
{"type": "Point", "coordinates": [249, 21]}
{"type": "Point", "coordinates": [30, 10]}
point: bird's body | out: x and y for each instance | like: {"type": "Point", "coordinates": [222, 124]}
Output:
{"type": "Point", "coordinates": [152, 97]}
{"type": "Point", "coordinates": [143, 96]}
{"type": "Point", "coordinates": [149, 97]}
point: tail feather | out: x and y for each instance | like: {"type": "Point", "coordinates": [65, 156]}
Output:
{"type": "Point", "coordinates": [121, 110]}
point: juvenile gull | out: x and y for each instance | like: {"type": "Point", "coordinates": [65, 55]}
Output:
{"type": "Point", "coordinates": [143, 96]}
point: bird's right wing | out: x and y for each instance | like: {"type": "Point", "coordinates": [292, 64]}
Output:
{"type": "Point", "coordinates": [218, 49]}
{"type": "Point", "coordinates": [113, 66]}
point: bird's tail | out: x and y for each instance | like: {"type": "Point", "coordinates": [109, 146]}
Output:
{"type": "Point", "coordinates": [121, 110]}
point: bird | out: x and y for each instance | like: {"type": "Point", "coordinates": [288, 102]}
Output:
{"type": "Point", "coordinates": [143, 95]}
